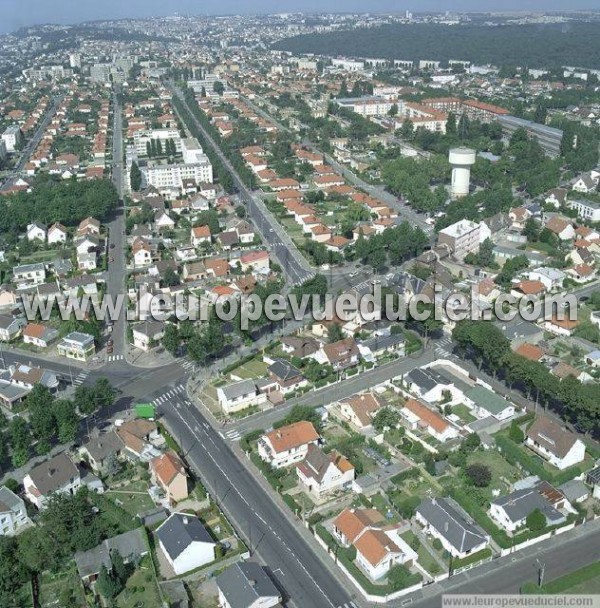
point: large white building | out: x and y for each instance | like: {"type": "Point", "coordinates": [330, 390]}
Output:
{"type": "Point", "coordinates": [586, 210]}
{"type": "Point", "coordinates": [142, 138]}
{"type": "Point", "coordinates": [367, 106]}
{"type": "Point", "coordinates": [12, 137]}
{"type": "Point", "coordinates": [168, 177]}
{"type": "Point", "coordinates": [462, 238]}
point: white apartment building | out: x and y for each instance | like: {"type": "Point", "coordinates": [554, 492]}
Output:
{"type": "Point", "coordinates": [463, 237]}
{"type": "Point", "coordinates": [141, 138]}
{"type": "Point", "coordinates": [169, 177]}
{"type": "Point", "coordinates": [350, 65]}
{"type": "Point", "coordinates": [367, 106]}
{"type": "Point", "coordinates": [12, 137]}
{"type": "Point", "coordinates": [586, 210]}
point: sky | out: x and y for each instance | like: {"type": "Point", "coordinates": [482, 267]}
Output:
{"type": "Point", "coordinates": [18, 13]}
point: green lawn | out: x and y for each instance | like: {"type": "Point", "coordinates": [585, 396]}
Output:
{"type": "Point", "coordinates": [426, 560]}
{"type": "Point", "coordinates": [141, 590]}
{"type": "Point", "coordinates": [463, 412]}
{"type": "Point", "coordinates": [134, 497]}
{"type": "Point", "coordinates": [498, 465]}
{"type": "Point", "coordinates": [52, 586]}
{"type": "Point", "coordinates": [589, 587]}
{"type": "Point", "coordinates": [252, 369]}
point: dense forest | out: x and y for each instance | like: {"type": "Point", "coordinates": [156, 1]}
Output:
{"type": "Point", "coordinates": [548, 45]}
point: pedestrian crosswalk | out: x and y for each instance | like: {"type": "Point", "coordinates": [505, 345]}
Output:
{"type": "Point", "coordinates": [443, 347]}
{"type": "Point", "coordinates": [187, 364]}
{"type": "Point", "coordinates": [80, 378]}
{"type": "Point", "coordinates": [115, 357]}
{"type": "Point", "coordinates": [348, 605]}
{"type": "Point", "coordinates": [178, 391]}
{"type": "Point", "coordinates": [232, 435]}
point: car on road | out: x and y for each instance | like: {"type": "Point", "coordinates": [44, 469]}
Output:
{"type": "Point", "coordinates": [110, 342]}
{"type": "Point", "coordinates": [112, 245]}
{"type": "Point", "coordinates": [109, 350]}
{"type": "Point", "coordinates": [111, 259]}
{"type": "Point", "coordinates": [271, 230]}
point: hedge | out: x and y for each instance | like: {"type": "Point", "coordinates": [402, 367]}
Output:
{"type": "Point", "coordinates": [266, 470]}
{"type": "Point", "coordinates": [515, 453]}
{"type": "Point", "coordinates": [292, 504]}
{"type": "Point", "coordinates": [471, 559]}
{"type": "Point", "coordinates": [250, 437]}
{"type": "Point", "coordinates": [411, 473]}
{"type": "Point", "coordinates": [237, 364]}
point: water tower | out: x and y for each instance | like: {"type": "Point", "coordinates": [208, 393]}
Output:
{"type": "Point", "coordinates": [461, 160]}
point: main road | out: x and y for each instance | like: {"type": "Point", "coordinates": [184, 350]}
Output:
{"type": "Point", "coordinates": [294, 264]}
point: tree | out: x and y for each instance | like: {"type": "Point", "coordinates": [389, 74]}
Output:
{"type": "Point", "coordinates": [170, 278]}
{"type": "Point", "coordinates": [67, 420]}
{"type": "Point", "coordinates": [13, 573]}
{"type": "Point", "coordinates": [219, 87]}
{"type": "Point", "coordinates": [479, 475]}
{"type": "Point", "coordinates": [407, 129]}
{"type": "Point", "coordinates": [106, 584]}
{"type": "Point", "coordinates": [334, 333]}
{"type": "Point", "coordinates": [43, 424]}
{"type": "Point", "coordinates": [121, 570]}
{"type": "Point", "coordinates": [20, 439]}
{"type": "Point", "coordinates": [393, 110]}
{"type": "Point", "coordinates": [472, 442]}
{"type": "Point", "coordinates": [386, 417]}
{"type": "Point", "coordinates": [515, 432]}
{"type": "Point", "coordinates": [541, 113]}
{"type": "Point", "coordinates": [171, 339]}
{"type": "Point", "coordinates": [451, 124]}
{"type": "Point", "coordinates": [135, 177]}
{"type": "Point", "coordinates": [531, 230]}
{"type": "Point", "coordinates": [536, 520]}
{"type": "Point", "coordinates": [344, 90]}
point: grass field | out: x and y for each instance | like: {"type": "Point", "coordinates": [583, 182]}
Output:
{"type": "Point", "coordinates": [141, 589]}
{"type": "Point", "coordinates": [133, 498]}
{"type": "Point", "coordinates": [250, 370]}
{"type": "Point", "coordinates": [426, 560]}
{"type": "Point", "coordinates": [463, 412]}
{"type": "Point", "coordinates": [51, 587]}
{"type": "Point", "coordinates": [499, 467]}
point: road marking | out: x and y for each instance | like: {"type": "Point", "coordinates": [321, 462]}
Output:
{"type": "Point", "coordinates": [80, 378]}
{"type": "Point", "coordinates": [115, 357]}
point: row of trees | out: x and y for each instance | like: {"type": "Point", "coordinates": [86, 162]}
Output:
{"type": "Point", "coordinates": [485, 343]}
{"type": "Point", "coordinates": [203, 342]}
{"type": "Point", "coordinates": [50, 420]}
{"type": "Point", "coordinates": [54, 200]}
{"type": "Point", "coordinates": [155, 147]}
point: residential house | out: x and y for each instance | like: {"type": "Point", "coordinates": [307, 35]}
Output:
{"type": "Point", "coordinates": [39, 335]}
{"type": "Point", "coordinates": [286, 377]}
{"type": "Point", "coordinates": [552, 278]}
{"type": "Point", "coordinates": [288, 444]}
{"type": "Point", "coordinates": [255, 261]}
{"type": "Point", "coordinates": [57, 475]}
{"type": "Point", "coordinates": [359, 410]}
{"type": "Point", "coordinates": [559, 447]}
{"type": "Point", "coordinates": [299, 346]}
{"type": "Point", "coordinates": [585, 183]}
{"type": "Point", "coordinates": [419, 416]}
{"type": "Point", "coordinates": [131, 546]}
{"type": "Point", "coordinates": [511, 511]}
{"type": "Point", "coordinates": [36, 232]}
{"type": "Point", "coordinates": [89, 225]}
{"type": "Point", "coordinates": [378, 546]}
{"type": "Point", "coordinates": [593, 480]}
{"type": "Point", "coordinates": [556, 197]}
{"type": "Point", "coordinates": [199, 235]}
{"type": "Point", "coordinates": [13, 514]}
{"type": "Point", "coordinates": [10, 328]}
{"type": "Point", "coordinates": [340, 355]}
{"type": "Point", "coordinates": [168, 472]}
{"type": "Point", "coordinates": [323, 474]}
{"type": "Point", "coordinates": [239, 395]}
{"type": "Point", "coordinates": [142, 253]}
{"type": "Point", "coordinates": [77, 345]}
{"type": "Point", "coordinates": [586, 210]}
{"type": "Point", "coordinates": [147, 334]}
{"type": "Point", "coordinates": [28, 376]}
{"type": "Point", "coordinates": [442, 518]}
{"type": "Point", "coordinates": [562, 228]}
{"type": "Point", "coordinates": [246, 585]}
{"type": "Point", "coordinates": [378, 346]}
{"type": "Point", "coordinates": [185, 543]}
{"type": "Point", "coordinates": [485, 402]}
{"type": "Point", "coordinates": [100, 451]}
{"type": "Point", "coordinates": [8, 297]}
{"type": "Point", "coordinates": [57, 233]}
{"type": "Point", "coordinates": [560, 327]}
{"type": "Point", "coordinates": [29, 274]}
{"type": "Point", "coordinates": [138, 436]}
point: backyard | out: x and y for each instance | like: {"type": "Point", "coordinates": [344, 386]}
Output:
{"type": "Point", "coordinates": [132, 497]}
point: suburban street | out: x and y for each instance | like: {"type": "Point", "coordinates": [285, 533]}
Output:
{"type": "Point", "coordinates": [31, 145]}
{"type": "Point", "coordinates": [294, 264]}
{"type": "Point", "coordinates": [117, 251]}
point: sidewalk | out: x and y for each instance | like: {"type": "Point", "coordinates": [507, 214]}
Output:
{"type": "Point", "coordinates": [50, 358]}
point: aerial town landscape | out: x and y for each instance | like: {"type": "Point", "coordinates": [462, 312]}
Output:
{"type": "Point", "coordinates": [299, 309]}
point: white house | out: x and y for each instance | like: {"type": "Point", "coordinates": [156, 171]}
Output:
{"type": "Point", "coordinates": [552, 278]}
{"type": "Point", "coordinates": [558, 446]}
{"type": "Point", "coordinates": [377, 551]}
{"type": "Point", "coordinates": [36, 232]}
{"type": "Point", "coordinates": [13, 514]}
{"type": "Point", "coordinates": [142, 254]}
{"type": "Point", "coordinates": [246, 585]}
{"type": "Point", "coordinates": [77, 345]}
{"type": "Point", "coordinates": [360, 409]}
{"type": "Point", "coordinates": [39, 335]}
{"type": "Point", "coordinates": [57, 475]}
{"type": "Point", "coordinates": [511, 511]}
{"type": "Point", "coordinates": [239, 395]}
{"type": "Point", "coordinates": [419, 416]}
{"type": "Point", "coordinates": [442, 518]}
{"type": "Point", "coordinates": [29, 273]}
{"type": "Point", "coordinates": [164, 221]}
{"type": "Point", "coordinates": [10, 327]}
{"type": "Point", "coordinates": [199, 235]}
{"type": "Point", "coordinates": [287, 445]}
{"type": "Point", "coordinates": [185, 543]}
{"type": "Point", "coordinates": [57, 233]}
{"type": "Point", "coordinates": [323, 474]}
{"type": "Point", "coordinates": [147, 333]}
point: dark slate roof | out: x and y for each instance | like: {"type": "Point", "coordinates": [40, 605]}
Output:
{"type": "Point", "coordinates": [284, 370]}
{"type": "Point", "coordinates": [520, 503]}
{"type": "Point", "coordinates": [244, 583]}
{"type": "Point", "coordinates": [180, 531]}
{"type": "Point", "coordinates": [54, 474]}
{"type": "Point", "coordinates": [593, 477]}
{"type": "Point", "coordinates": [382, 342]}
{"type": "Point", "coordinates": [238, 389]}
{"type": "Point", "coordinates": [426, 379]}
{"type": "Point", "coordinates": [104, 446]}
{"type": "Point", "coordinates": [442, 514]}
